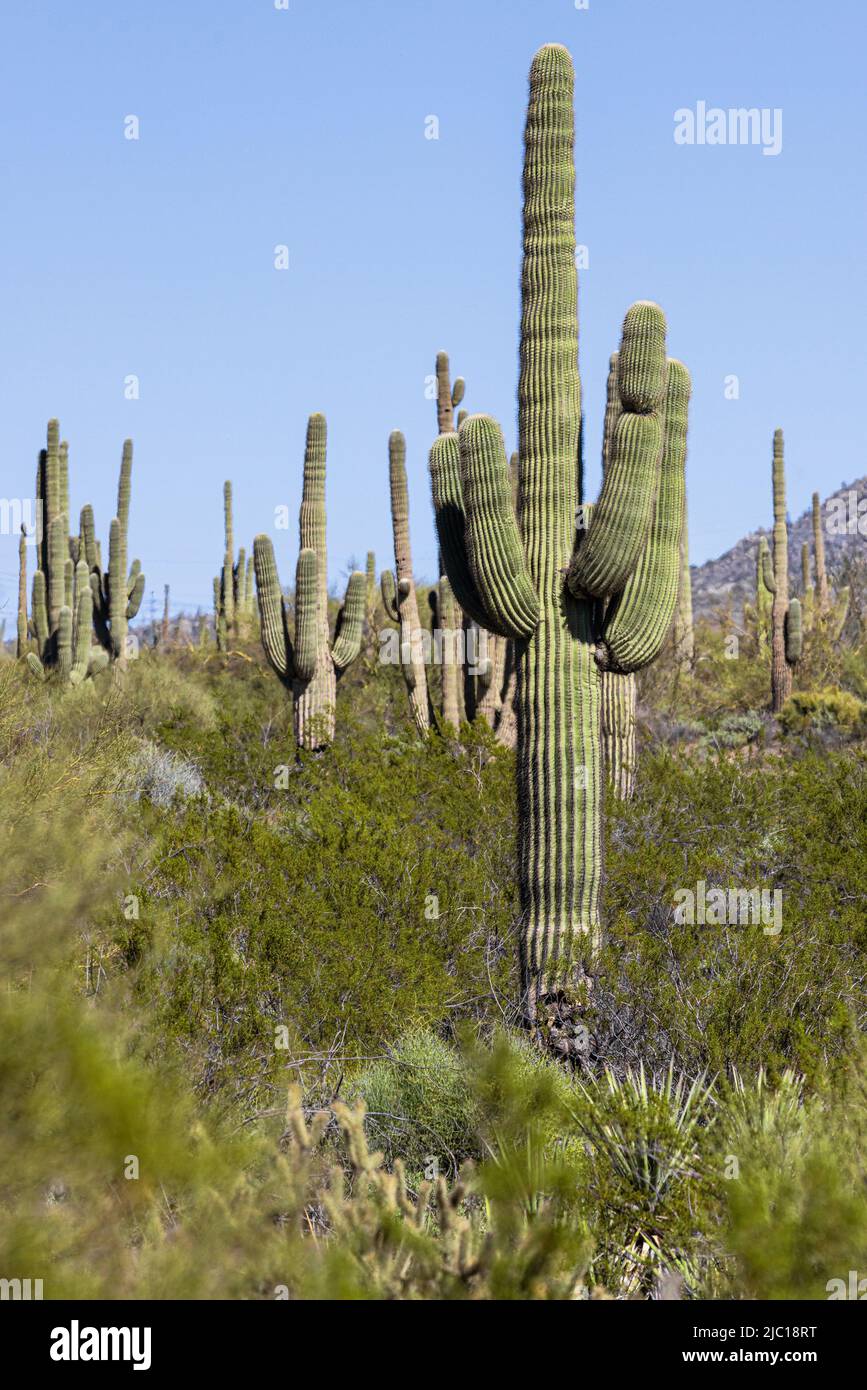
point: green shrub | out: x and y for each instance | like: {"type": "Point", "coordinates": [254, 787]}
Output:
{"type": "Point", "coordinates": [824, 709]}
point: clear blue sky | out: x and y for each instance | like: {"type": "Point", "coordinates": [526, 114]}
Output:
{"type": "Point", "coordinates": [306, 127]}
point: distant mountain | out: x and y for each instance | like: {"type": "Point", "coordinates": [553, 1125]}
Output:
{"type": "Point", "coordinates": [734, 573]}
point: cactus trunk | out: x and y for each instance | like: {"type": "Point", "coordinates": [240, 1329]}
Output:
{"type": "Point", "coordinates": [781, 672]}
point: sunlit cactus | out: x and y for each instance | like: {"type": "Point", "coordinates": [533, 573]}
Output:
{"type": "Point", "coordinates": [508, 573]}
{"type": "Point", "coordinates": [233, 588]}
{"type": "Point", "coordinates": [776, 577]}
{"type": "Point", "coordinates": [71, 597]}
{"type": "Point", "coordinates": [308, 662]}
{"type": "Point", "coordinates": [399, 596]}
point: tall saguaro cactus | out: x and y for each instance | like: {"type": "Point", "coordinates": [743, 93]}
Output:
{"type": "Point", "coordinates": [399, 595]}
{"type": "Point", "coordinates": [530, 580]}
{"type": "Point", "coordinates": [309, 664]}
{"type": "Point", "coordinates": [786, 627]}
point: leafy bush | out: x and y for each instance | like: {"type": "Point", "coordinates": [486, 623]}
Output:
{"type": "Point", "coordinates": [823, 709]}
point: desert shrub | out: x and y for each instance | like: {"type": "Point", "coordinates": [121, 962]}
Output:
{"type": "Point", "coordinates": [420, 1105]}
{"type": "Point", "coordinates": [162, 777]}
{"type": "Point", "coordinates": [713, 997]}
{"type": "Point", "coordinates": [828, 708]}
{"type": "Point", "coordinates": [735, 730]}
{"type": "Point", "coordinates": [371, 892]}
{"type": "Point", "coordinates": [794, 1215]}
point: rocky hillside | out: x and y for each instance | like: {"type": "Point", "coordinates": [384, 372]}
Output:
{"type": "Point", "coordinates": [734, 573]}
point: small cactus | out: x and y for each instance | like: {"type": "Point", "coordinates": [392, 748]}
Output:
{"type": "Point", "coordinates": [776, 578]}
{"type": "Point", "coordinates": [309, 663]}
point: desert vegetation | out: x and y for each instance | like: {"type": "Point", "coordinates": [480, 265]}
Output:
{"type": "Point", "coordinates": [499, 938]}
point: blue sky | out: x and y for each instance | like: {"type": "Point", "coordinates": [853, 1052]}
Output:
{"type": "Point", "coordinates": [306, 127]}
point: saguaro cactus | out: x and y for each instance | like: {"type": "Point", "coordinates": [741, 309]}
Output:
{"type": "Point", "coordinates": [310, 664]}
{"type": "Point", "coordinates": [68, 584]}
{"type": "Point", "coordinates": [786, 627]}
{"type": "Point", "coordinates": [808, 599]}
{"type": "Point", "coordinates": [117, 593]}
{"type": "Point", "coordinates": [448, 618]}
{"type": "Point", "coordinates": [821, 596]}
{"type": "Point", "coordinates": [233, 589]}
{"type": "Point", "coordinates": [529, 581]}
{"type": "Point", "coordinates": [23, 645]}
{"type": "Point", "coordinates": [399, 596]}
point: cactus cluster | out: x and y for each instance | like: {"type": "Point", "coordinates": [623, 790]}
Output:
{"type": "Point", "coordinates": [233, 587]}
{"type": "Point", "coordinates": [309, 663]}
{"type": "Point", "coordinates": [530, 578]}
{"type": "Point", "coordinates": [72, 596]}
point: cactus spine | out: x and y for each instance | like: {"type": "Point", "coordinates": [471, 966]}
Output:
{"type": "Point", "coordinates": [511, 579]}
{"type": "Point", "coordinates": [785, 649]}
{"type": "Point", "coordinates": [399, 597]}
{"type": "Point", "coordinates": [310, 664]}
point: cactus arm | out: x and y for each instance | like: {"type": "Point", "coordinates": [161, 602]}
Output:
{"type": "Point", "coordinates": [103, 636]}
{"type": "Point", "coordinates": [638, 620]}
{"type": "Point", "coordinates": [35, 665]}
{"type": "Point", "coordinates": [272, 610]}
{"type": "Point", "coordinates": [793, 633]}
{"type": "Point", "coordinates": [58, 553]}
{"type": "Point", "coordinates": [87, 530]}
{"type": "Point", "coordinates": [306, 615]}
{"type": "Point", "coordinates": [768, 579]}
{"type": "Point", "coordinates": [445, 396]}
{"type": "Point", "coordinates": [81, 636]}
{"type": "Point", "coordinates": [124, 487]}
{"type": "Point", "coordinates": [609, 552]}
{"type": "Point", "coordinates": [117, 599]}
{"type": "Point", "coordinates": [64, 642]}
{"type": "Point", "coordinates": [40, 613]}
{"type": "Point", "coordinates": [350, 622]}
{"type": "Point", "coordinates": [496, 558]}
{"type": "Point", "coordinates": [98, 661]}
{"type": "Point", "coordinates": [136, 596]}
{"type": "Point", "coordinates": [389, 595]}
{"type": "Point", "coordinates": [132, 577]}
{"type": "Point", "coordinates": [447, 493]}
